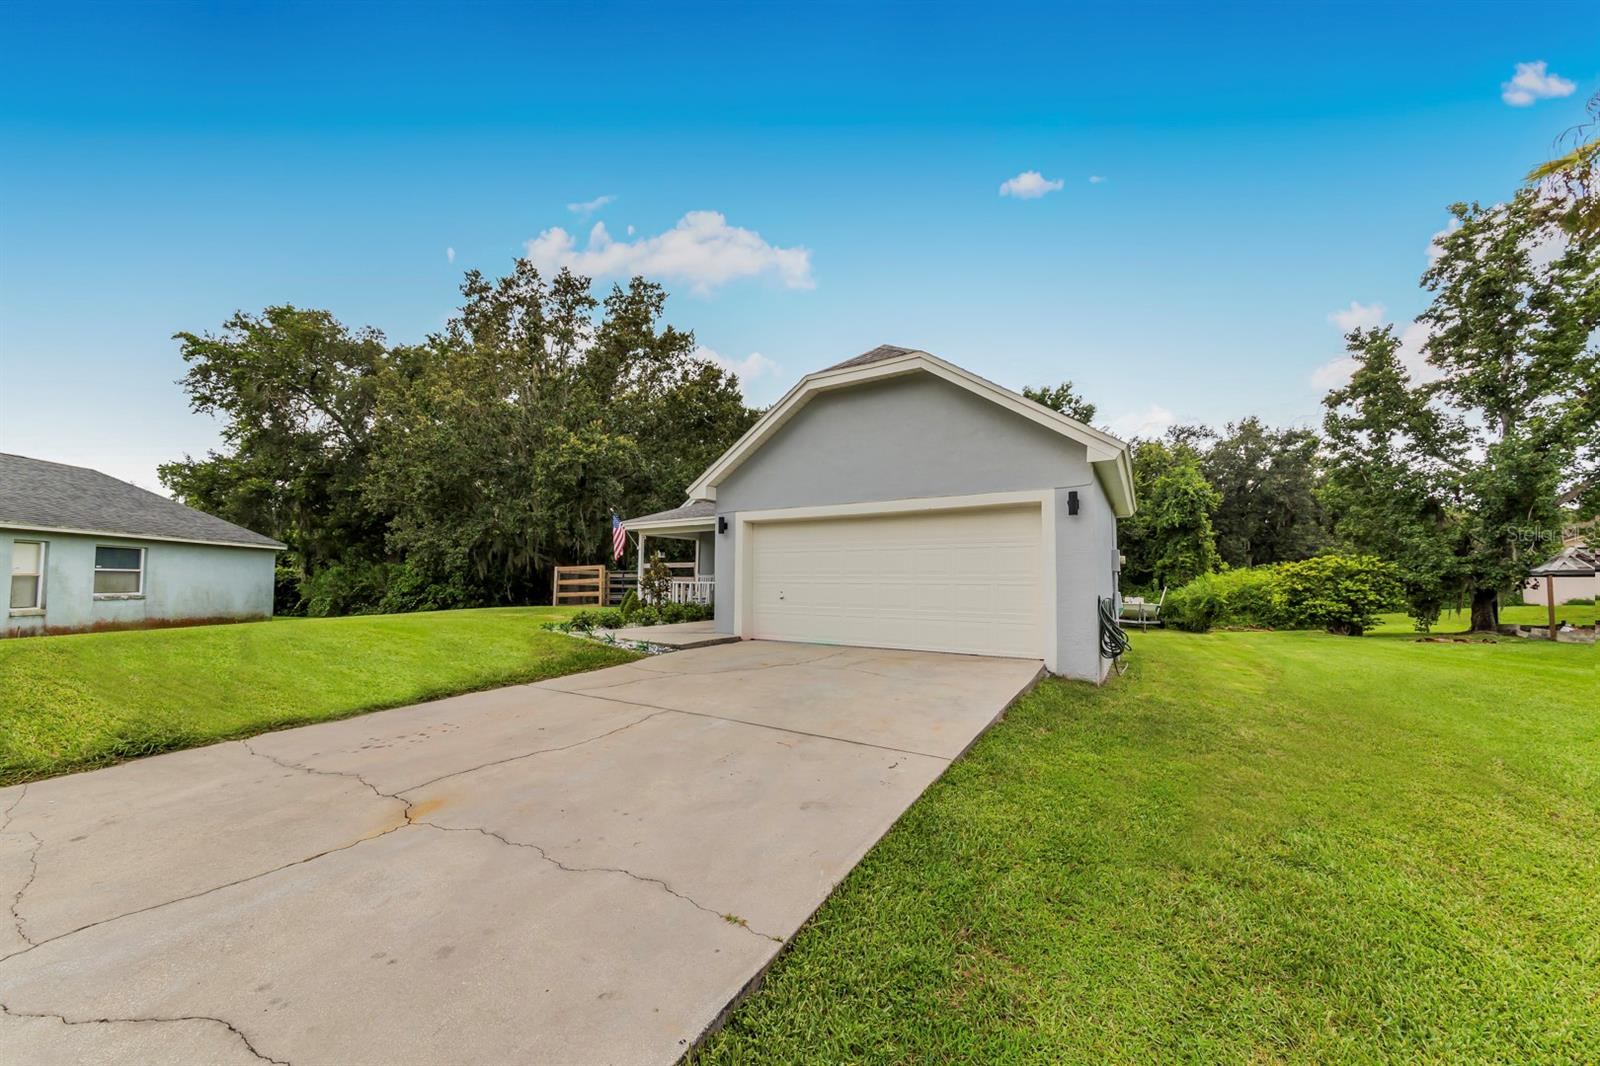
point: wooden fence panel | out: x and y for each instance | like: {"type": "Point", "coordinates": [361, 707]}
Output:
{"type": "Point", "coordinates": [579, 585]}
{"type": "Point", "coordinates": [618, 582]}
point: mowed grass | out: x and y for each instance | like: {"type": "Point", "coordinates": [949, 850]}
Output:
{"type": "Point", "coordinates": [74, 702]}
{"type": "Point", "coordinates": [1577, 614]}
{"type": "Point", "coordinates": [1254, 847]}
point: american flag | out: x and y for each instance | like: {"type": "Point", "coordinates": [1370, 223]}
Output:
{"type": "Point", "coordinates": [619, 538]}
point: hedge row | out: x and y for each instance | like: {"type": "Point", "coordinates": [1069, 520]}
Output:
{"type": "Point", "coordinates": [1340, 593]}
{"type": "Point", "coordinates": [641, 615]}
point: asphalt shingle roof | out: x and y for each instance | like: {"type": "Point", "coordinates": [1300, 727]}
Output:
{"type": "Point", "coordinates": [1569, 562]}
{"type": "Point", "coordinates": [878, 354]}
{"type": "Point", "coordinates": [692, 509]}
{"type": "Point", "coordinates": [35, 494]}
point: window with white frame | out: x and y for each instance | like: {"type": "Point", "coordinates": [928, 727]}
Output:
{"type": "Point", "coordinates": [118, 571]}
{"type": "Point", "coordinates": [27, 575]}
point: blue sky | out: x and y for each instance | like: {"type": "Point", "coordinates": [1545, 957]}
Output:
{"type": "Point", "coordinates": [809, 181]}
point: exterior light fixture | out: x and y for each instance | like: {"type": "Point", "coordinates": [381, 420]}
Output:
{"type": "Point", "coordinates": [1072, 501]}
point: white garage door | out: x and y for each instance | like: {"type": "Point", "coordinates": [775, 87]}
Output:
{"type": "Point", "coordinates": [961, 581]}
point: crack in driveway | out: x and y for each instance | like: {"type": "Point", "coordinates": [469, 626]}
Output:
{"type": "Point", "coordinates": [203, 892]}
{"type": "Point", "coordinates": [408, 806]}
{"type": "Point", "coordinates": [558, 864]}
{"type": "Point", "coordinates": [13, 806]}
{"type": "Point", "coordinates": [64, 1020]}
{"type": "Point", "coordinates": [16, 899]}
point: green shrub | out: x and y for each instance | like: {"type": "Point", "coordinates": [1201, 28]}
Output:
{"type": "Point", "coordinates": [344, 588]}
{"type": "Point", "coordinates": [1196, 606]}
{"type": "Point", "coordinates": [286, 592]}
{"type": "Point", "coordinates": [407, 589]}
{"type": "Point", "coordinates": [597, 618]}
{"type": "Point", "coordinates": [1342, 594]}
{"type": "Point", "coordinates": [1242, 597]}
{"type": "Point", "coordinates": [630, 603]}
{"type": "Point", "coordinates": [644, 614]}
{"type": "Point", "coordinates": [1579, 601]}
{"type": "Point", "coordinates": [367, 587]}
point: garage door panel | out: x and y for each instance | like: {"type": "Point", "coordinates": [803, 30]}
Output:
{"type": "Point", "coordinates": [969, 581]}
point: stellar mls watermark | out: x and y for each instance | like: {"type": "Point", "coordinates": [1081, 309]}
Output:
{"type": "Point", "coordinates": [1537, 539]}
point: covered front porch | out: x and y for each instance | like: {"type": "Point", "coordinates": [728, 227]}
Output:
{"type": "Point", "coordinates": [696, 521]}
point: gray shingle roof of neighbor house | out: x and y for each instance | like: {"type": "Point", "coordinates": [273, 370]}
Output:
{"type": "Point", "coordinates": [878, 354]}
{"type": "Point", "coordinates": [35, 494]}
{"type": "Point", "coordinates": [1569, 562]}
{"type": "Point", "coordinates": [692, 509]}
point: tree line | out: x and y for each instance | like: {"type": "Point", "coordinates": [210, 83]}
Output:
{"type": "Point", "coordinates": [1461, 470]}
{"type": "Point", "coordinates": [459, 471]}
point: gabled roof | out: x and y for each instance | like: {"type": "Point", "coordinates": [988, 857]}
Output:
{"type": "Point", "coordinates": [1108, 455]}
{"type": "Point", "coordinates": [1569, 562]}
{"type": "Point", "coordinates": [56, 498]}
{"type": "Point", "coordinates": [878, 354]}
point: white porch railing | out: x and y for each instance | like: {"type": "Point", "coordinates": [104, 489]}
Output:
{"type": "Point", "coordinates": [692, 590]}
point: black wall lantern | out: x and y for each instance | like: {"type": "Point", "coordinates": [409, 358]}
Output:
{"type": "Point", "coordinates": [1072, 501]}
{"type": "Point", "coordinates": [722, 524]}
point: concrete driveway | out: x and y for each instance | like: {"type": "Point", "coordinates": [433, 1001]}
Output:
{"type": "Point", "coordinates": [589, 869]}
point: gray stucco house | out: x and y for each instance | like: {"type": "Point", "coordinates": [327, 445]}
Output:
{"type": "Point", "coordinates": [896, 500]}
{"type": "Point", "coordinates": [85, 551]}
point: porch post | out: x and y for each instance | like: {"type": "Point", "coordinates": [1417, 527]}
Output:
{"type": "Point", "coordinates": [640, 585]}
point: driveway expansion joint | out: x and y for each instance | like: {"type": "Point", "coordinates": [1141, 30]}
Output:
{"type": "Point", "coordinates": [760, 725]}
{"type": "Point", "coordinates": [530, 754]}
{"type": "Point", "coordinates": [64, 1020]}
{"type": "Point", "coordinates": [644, 665]}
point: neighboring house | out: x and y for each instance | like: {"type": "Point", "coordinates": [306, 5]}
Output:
{"type": "Point", "coordinates": [1571, 572]}
{"type": "Point", "coordinates": [896, 500]}
{"type": "Point", "coordinates": [86, 551]}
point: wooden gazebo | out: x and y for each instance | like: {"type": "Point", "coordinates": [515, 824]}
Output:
{"type": "Point", "coordinates": [1570, 562]}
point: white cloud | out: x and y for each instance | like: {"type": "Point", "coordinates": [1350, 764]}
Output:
{"type": "Point", "coordinates": [1096, 179]}
{"type": "Point", "coordinates": [1029, 185]}
{"type": "Point", "coordinates": [589, 207]}
{"type": "Point", "coordinates": [1336, 373]}
{"type": "Point", "coordinates": [702, 249]}
{"type": "Point", "coordinates": [1434, 251]}
{"type": "Point", "coordinates": [450, 255]}
{"type": "Point", "coordinates": [1151, 422]}
{"type": "Point", "coordinates": [751, 370]}
{"type": "Point", "coordinates": [1357, 316]}
{"type": "Point", "coordinates": [1533, 82]}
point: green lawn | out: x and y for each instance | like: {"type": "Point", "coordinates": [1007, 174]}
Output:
{"type": "Point", "coordinates": [1255, 847]}
{"type": "Point", "coordinates": [69, 703]}
{"type": "Point", "coordinates": [1526, 614]}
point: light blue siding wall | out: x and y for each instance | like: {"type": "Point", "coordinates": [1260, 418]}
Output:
{"type": "Point", "coordinates": [182, 582]}
{"type": "Point", "coordinates": [919, 436]}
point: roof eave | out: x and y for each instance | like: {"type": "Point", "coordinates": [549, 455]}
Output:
{"type": "Point", "coordinates": [674, 525]}
{"type": "Point", "coordinates": [31, 527]}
